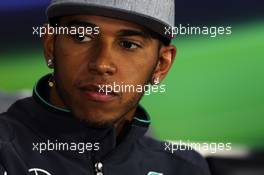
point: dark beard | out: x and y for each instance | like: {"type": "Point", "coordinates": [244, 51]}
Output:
{"type": "Point", "coordinates": [128, 107]}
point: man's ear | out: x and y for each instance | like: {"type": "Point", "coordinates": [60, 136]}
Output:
{"type": "Point", "coordinates": [48, 41]}
{"type": "Point", "coordinates": [166, 58]}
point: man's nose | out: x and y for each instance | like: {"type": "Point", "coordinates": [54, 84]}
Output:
{"type": "Point", "coordinates": [102, 62]}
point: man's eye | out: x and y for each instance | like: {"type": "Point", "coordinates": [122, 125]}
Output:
{"type": "Point", "coordinates": [82, 38]}
{"type": "Point", "coordinates": [129, 45]}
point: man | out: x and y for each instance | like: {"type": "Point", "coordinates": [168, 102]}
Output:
{"type": "Point", "coordinates": [74, 123]}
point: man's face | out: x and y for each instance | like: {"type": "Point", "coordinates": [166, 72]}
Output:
{"type": "Point", "coordinates": [121, 53]}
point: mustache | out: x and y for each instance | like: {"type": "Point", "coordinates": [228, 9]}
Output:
{"type": "Point", "coordinates": [95, 81]}
{"type": "Point", "coordinates": [99, 85]}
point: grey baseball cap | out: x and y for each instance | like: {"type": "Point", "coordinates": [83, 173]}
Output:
{"type": "Point", "coordinates": [155, 15]}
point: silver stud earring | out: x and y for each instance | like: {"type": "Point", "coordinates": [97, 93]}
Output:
{"type": "Point", "coordinates": [50, 63]}
{"type": "Point", "coordinates": [156, 81]}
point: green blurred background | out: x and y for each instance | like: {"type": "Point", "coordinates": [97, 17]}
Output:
{"type": "Point", "coordinates": [214, 92]}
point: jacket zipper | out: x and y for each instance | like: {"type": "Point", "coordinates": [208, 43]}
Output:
{"type": "Point", "coordinates": [98, 165]}
{"type": "Point", "coordinates": [98, 168]}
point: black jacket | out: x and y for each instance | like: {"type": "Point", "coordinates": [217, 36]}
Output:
{"type": "Point", "coordinates": [31, 124]}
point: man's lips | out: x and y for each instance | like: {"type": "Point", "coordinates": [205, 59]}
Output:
{"type": "Point", "coordinates": [98, 93]}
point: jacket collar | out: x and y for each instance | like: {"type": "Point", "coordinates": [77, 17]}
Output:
{"type": "Point", "coordinates": [41, 94]}
{"type": "Point", "coordinates": [54, 123]}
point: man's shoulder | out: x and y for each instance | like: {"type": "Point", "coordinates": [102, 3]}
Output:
{"type": "Point", "coordinates": [6, 131]}
{"type": "Point", "coordinates": [187, 157]}
{"type": "Point", "coordinates": [9, 119]}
